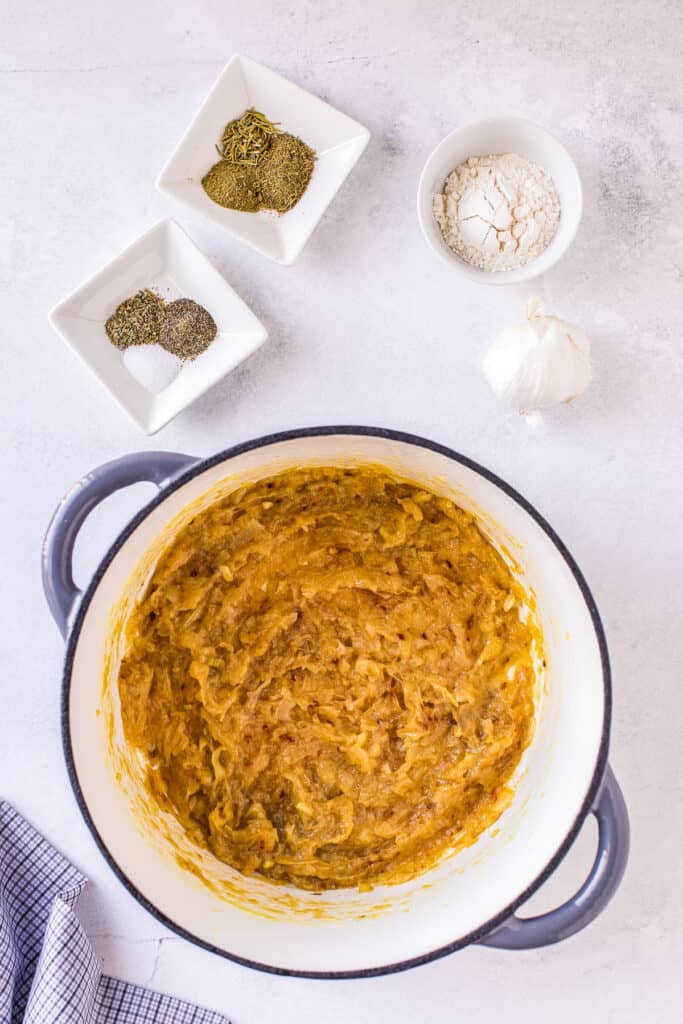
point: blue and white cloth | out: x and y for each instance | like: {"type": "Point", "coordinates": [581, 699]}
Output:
{"type": "Point", "coordinates": [49, 973]}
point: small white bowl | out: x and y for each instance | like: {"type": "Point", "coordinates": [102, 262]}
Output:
{"type": "Point", "coordinates": [504, 135]}
{"type": "Point", "coordinates": [337, 139]}
{"type": "Point", "coordinates": [166, 260]}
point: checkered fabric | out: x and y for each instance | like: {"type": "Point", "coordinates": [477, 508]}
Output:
{"type": "Point", "coordinates": [49, 973]}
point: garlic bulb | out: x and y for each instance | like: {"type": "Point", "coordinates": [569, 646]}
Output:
{"type": "Point", "coordinates": [539, 363]}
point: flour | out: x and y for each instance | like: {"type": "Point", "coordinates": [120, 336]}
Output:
{"type": "Point", "coordinates": [498, 212]}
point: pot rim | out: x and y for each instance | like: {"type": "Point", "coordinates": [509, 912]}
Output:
{"type": "Point", "coordinates": [349, 431]}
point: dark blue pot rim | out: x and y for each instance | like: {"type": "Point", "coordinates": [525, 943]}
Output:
{"type": "Point", "coordinates": [349, 431]}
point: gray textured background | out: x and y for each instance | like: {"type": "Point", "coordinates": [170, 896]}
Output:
{"type": "Point", "coordinates": [369, 327]}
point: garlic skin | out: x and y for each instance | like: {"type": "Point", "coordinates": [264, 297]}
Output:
{"type": "Point", "coordinates": [539, 363]}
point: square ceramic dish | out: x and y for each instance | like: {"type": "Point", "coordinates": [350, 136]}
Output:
{"type": "Point", "coordinates": [337, 139]}
{"type": "Point", "coordinates": [166, 260]}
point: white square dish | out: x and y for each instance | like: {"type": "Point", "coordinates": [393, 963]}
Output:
{"type": "Point", "coordinates": [166, 260]}
{"type": "Point", "coordinates": [338, 141]}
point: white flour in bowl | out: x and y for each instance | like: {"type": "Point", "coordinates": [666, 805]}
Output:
{"type": "Point", "coordinates": [498, 212]}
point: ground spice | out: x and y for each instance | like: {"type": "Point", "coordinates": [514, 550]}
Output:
{"type": "Point", "coordinates": [263, 168]}
{"type": "Point", "coordinates": [233, 186]}
{"type": "Point", "coordinates": [187, 330]}
{"type": "Point", "coordinates": [136, 321]}
{"type": "Point", "coordinates": [285, 172]}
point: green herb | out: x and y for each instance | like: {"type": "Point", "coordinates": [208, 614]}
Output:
{"type": "Point", "coordinates": [136, 321]}
{"type": "Point", "coordinates": [285, 172]}
{"type": "Point", "coordinates": [263, 168]}
{"type": "Point", "coordinates": [232, 186]}
{"type": "Point", "coordinates": [246, 139]}
{"type": "Point", "coordinates": [188, 329]}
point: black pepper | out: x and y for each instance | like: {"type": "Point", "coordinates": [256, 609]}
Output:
{"type": "Point", "coordinates": [187, 329]}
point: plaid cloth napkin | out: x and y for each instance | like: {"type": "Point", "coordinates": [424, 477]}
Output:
{"type": "Point", "coordinates": [49, 973]}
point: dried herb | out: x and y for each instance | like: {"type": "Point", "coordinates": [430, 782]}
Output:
{"type": "Point", "coordinates": [188, 329]}
{"type": "Point", "coordinates": [263, 168]}
{"type": "Point", "coordinates": [136, 321]}
{"type": "Point", "coordinates": [285, 172]}
{"type": "Point", "coordinates": [233, 186]}
{"type": "Point", "coordinates": [246, 139]}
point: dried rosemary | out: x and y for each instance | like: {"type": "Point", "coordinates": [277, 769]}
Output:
{"type": "Point", "coordinates": [262, 167]}
{"type": "Point", "coordinates": [136, 321]}
{"type": "Point", "coordinates": [246, 139]}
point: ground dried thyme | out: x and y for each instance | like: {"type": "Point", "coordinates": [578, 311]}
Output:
{"type": "Point", "coordinates": [188, 329]}
{"type": "Point", "coordinates": [263, 168]}
{"type": "Point", "coordinates": [285, 172]}
{"type": "Point", "coordinates": [136, 321]}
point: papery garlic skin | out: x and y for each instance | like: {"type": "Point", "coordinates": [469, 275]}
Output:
{"type": "Point", "coordinates": [539, 363]}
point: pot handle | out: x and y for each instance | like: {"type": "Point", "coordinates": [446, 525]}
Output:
{"type": "Point", "coordinates": [58, 583]}
{"type": "Point", "coordinates": [595, 893]}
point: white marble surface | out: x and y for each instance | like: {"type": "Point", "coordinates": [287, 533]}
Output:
{"type": "Point", "coordinates": [368, 327]}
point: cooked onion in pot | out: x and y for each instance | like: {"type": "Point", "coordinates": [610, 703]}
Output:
{"type": "Point", "coordinates": [330, 678]}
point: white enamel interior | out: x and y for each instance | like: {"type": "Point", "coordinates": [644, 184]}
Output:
{"type": "Point", "coordinates": [398, 923]}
